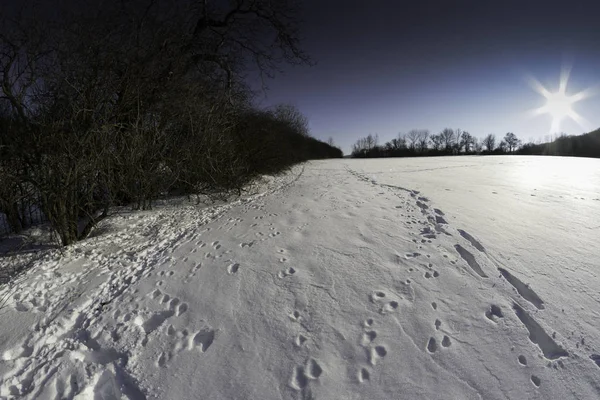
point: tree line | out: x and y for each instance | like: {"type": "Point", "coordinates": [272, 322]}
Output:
{"type": "Point", "coordinates": [420, 142]}
{"type": "Point", "coordinates": [586, 145]}
{"type": "Point", "coordinates": [120, 102]}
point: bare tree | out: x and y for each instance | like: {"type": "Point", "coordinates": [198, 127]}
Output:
{"type": "Point", "coordinates": [489, 142]}
{"type": "Point", "coordinates": [120, 101]}
{"type": "Point", "coordinates": [477, 145]}
{"type": "Point", "coordinates": [436, 142]}
{"type": "Point", "coordinates": [503, 146]}
{"type": "Point", "coordinates": [412, 138]}
{"type": "Point", "coordinates": [467, 141]}
{"type": "Point", "coordinates": [447, 137]}
{"type": "Point", "coordinates": [291, 114]}
{"type": "Point", "coordinates": [512, 142]}
{"type": "Point", "coordinates": [423, 141]}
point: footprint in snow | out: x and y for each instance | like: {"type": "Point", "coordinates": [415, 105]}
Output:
{"type": "Point", "coordinates": [494, 313]}
{"type": "Point", "coordinates": [522, 360]}
{"type": "Point", "coordinates": [202, 340]}
{"type": "Point", "coordinates": [433, 274]}
{"type": "Point", "coordinates": [363, 375]}
{"type": "Point", "coordinates": [377, 353]}
{"type": "Point", "coordinates": [301, 375]}
{"type": "Point", "coordinates": [288, 272]}
{"type": "Point", "coordinates": [432, 345]}
{"type": "Point", "coordinates": [233, 269]}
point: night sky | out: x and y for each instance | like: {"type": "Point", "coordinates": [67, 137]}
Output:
{"type": "Point", "coordinates": [388, 66]}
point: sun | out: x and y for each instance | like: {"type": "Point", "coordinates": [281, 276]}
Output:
{"type": "Point", "coordinates": [559, 105]}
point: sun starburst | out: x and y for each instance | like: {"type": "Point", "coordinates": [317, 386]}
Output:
{"type": "Point", "coordinates": [559, 105]}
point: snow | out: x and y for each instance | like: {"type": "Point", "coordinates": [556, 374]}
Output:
{"type": "Point", "coordinates": [459, 277]}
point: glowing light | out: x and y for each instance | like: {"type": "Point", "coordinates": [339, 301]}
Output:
{"type": "Point", "coordinates": [559, 105]}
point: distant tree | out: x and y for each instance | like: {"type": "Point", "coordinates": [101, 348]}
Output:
{"type": "Point", "coordinates": [502, 147]}
{"type": "Point", "coordinates": [457, 145]}
{"type": "Point", "coordinates": [436, 142]}
{"type": "Point", "coordinates": [512, 142]}
{"type": "Point", "coordinates": [489, 142]}
{"type": "Point", "coordinates": [397, 144]}
{"type": "Point", "coordinates": [477, 145]}
{"type": "Point", "coordinates": [423, 141]}
{"type": "Point", "coordinates": [372, 141]}
{"type": "Point", "coordinates": [467, 141]}
{"type": "Point", "coordinates": [412, 138]}
{"type": "Point", "coordinates": [402, 141]}
{"type": "Point", "coordinates": [330, 141]}
{"type": "Point", "coordinates": [447, 138]}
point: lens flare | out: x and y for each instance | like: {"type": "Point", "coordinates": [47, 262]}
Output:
{"type": "Point", "coordinates": [559, 105]}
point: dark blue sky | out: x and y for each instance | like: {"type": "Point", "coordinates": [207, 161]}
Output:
{"type": "Point", "coordinates": [388, 66]}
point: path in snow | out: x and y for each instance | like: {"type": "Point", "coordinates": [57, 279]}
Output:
{"type": "Point", "coordinates": [330, 285]}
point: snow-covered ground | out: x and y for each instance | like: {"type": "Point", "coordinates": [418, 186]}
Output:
{"type": "Point", "coordinates": [449, 278]}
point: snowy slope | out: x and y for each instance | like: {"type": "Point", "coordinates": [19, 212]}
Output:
{"type": "Point", "coordinates": [346, 279]}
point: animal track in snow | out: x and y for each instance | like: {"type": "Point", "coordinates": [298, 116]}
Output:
{"type": "Point", "coordinates": [377, 353]}
{"type": "Point", "coordinates": [438, 323]}
{"type": "Point", "coordinates": [288, 272]}
{"type": "Point", "coordinates": [233, 268]}
{"type": "Point", "coordinates": [249, 244]}
{"type": "Point", "coordinates": [295, 316]}
{"type": "Point", "coordinates": [429, 275]}
{"type": "Point", "coordinates": [446, 342]}
{"type": "Point", "coordinates": [440, 220]}
{"type": "Point", "coordinates": [522, 360]}
{"type": "Point", "coordinates": [154, 321]}
{"type": "Point", "coordinates": [536, 381]}
{"type": "Point", "coordinates": [412, 255]}
{"type": "Point", "coordinates": [303, 374]}
{"type": "Point", "coordinates": [524, 290]}
{"type": "Point", "coordinates": [595, 358]}
{"type": "Point", "coordinates": [202, 340]}
{"type": "Point", "coordinates": [470, 259]}
{"type": "Point", "coordinates": [432, 345]}
{"type": "Point", "coordinates": [162, 360]}
{"type": "Point", "coordinates": [368, 337]}
{"type": "Point", "coordinates": [300, 340]}
{"type": "Point", "coordinates": [389, 307]}
{"type": "Point", "coordinates": [180, 309]}
{"type": "Point", "coordinates": [313, 369]}
{"type": "Point", "coordinates": [376, 296]}
{"type": "Point", "coordinates": [538, 335]}
{"type": "Point", "coordinates": [494, 312]}
{"type": "Point", "coordinates": [472, 240]}
{"type": "Point", "coordinates": [363, 375]}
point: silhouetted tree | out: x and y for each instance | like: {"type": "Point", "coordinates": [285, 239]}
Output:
{"type": "Point", "coordinates": [467, 141]}
{"type": "Point", "coordinates": [436, 142]}
{"type": "Point", "coordinates": [489, 142]}
{"type": "Point", "coordinates": [423, 141]}
{"type": "Point", "coordinates": [512, 142]}
{"type": "Point", "coordinates": [447, 138]}
{"type": "Point", "coordinates": [412, 139]}
{"type": "Point", "coordinates": [502, 147]}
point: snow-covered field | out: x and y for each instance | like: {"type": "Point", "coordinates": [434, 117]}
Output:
{"type": "Point", "coordinates": [439, 278]}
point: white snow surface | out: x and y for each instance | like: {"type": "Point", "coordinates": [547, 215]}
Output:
{"type": "Point", "coordinates": [437, 278]}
